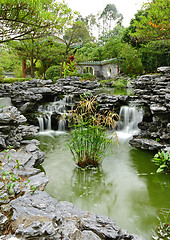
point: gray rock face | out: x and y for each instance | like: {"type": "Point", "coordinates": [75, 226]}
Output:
{"type": "Point", "coordinates": [42, 217]}
{"type": "Point", "coordinates": [153, 93]}
{"type": "Point", "coordinates": [26, 95]}
{"type": "Point", "coordinates": [164, 70]}
{"type": "Point", "coordinates": [12, 130]}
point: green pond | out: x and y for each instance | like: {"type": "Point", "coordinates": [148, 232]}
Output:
{"type": "Point", "coordinates": [126, 187]}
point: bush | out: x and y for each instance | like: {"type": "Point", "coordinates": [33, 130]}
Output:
{"type": "Point", "coordinates": [120, 83]}
{"type": "Point", "coordinates": [12, 80]}
{"type": "Point", "coordinates": [1, 73]}
{"type": "Point", "coordinates": [89, 140]}
{"type": "Point", "coordinates": [162, 160]}
{"type": "Point", "coordinates": [132, 64]}
{"type": "Point", "coordinates": [87, 76]}
{"type": "Point", "coordinates": [52, 72]}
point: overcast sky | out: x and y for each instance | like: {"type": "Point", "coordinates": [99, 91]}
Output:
{"type": "Point", "coordinates": [127, 7]}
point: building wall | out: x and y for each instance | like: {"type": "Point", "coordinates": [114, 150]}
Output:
{"type": "Point", "coordinates": [106, 71]}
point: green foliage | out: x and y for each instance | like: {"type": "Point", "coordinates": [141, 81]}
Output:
{"type": "Point", "coordinates": [1, 73]}
{"type": "Point", "coordinates": [8, 60]}
{"type": "Point", "coordinates": [162, 160]}
{"type": "Point", "coordinates": [155, 54]}
{"type": "Point", "coordinates": [119, 83]}
{"type": "Point", "coordinates": [154, 23]}
{"type": "Point", "coordinates": [90, 52]}
{"type": "Point", "coordinates": [10, 179]}
{"type": "Point", "coordinates": [69, 69]}
{"type": "Point", "coordinates": [52, 72]}
{"type": "Point", "coordinates": [12, 80]}
{"type": "Point", "coordinates": [112, 48]}
{"type": "Point", "coordinates": [131, 65]}
{"type": "Point", "coordinates": [89, 140]}
{"type": "Point", "coordinates": [87, 76]}
{"type": "Point", "coordinates": [163, 230]}
{"type": "Point", "coordinates": [20, 18]}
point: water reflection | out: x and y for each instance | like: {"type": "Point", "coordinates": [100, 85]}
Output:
{"type": "Point", "coordinates": [126, 187]}
{"type": "Point", "coordinates": [90, 189]}
{"type": "Point", "coordinates": [115, 91]}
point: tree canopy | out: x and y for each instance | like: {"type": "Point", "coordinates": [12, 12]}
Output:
{"type": "Point", "coordinates": [21, 18]}
{"type": "Point", "coordinates": [153, 24]}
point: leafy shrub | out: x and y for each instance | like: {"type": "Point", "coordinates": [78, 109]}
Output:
{"type": "Point", "coordinates": [120, 83]}
{"type": "Point", "coordinates": [87, 76]}
{"type": "Point", "coordinates": [162, 160]}
{"type": "Point", "coordinates": [132, 64]}
{"type": "Point", "coordinates": [1, 73]}
{"type": "Point", "coordinates": [12, 80]}
{"type": "Point", "coordinates": [89, 140]}
{"type": "Point", "coordinates": [52, 72]}
{"type": "Point", "coordinates": [69, 69]}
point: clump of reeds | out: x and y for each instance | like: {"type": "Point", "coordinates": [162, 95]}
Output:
{"type": "Point", "coordinates": [89, 141]}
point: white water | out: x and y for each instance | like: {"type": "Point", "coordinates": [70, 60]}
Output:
{"type": "Point", "coordinates": [60, 108]}
{"type": "Point", "coordinates": [130, 116]}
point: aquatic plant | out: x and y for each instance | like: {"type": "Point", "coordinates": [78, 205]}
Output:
{"type": "Point", "coordinates": [162, 231]}
{"type": "Point", "coordinates": [89, 140]}
{"type": "Point", "coordinates": [162, 159]}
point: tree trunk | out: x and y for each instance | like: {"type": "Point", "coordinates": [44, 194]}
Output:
{"type": "Point", "coordinates": [32, 67]}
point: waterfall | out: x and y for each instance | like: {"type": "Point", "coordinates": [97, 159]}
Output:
{"type": "Point", "coordinates": [62, 124]}
{"type": "Point", "coordinates": [130, 116]}
{"type": "Point", "coordinates": [59, 107]}
{"type": "Point", "coordinates": [41, 123]}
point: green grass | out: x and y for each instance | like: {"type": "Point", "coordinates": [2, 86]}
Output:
{"type": "Point", "coordinates": [12, 80]}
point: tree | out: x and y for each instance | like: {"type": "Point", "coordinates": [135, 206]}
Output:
{"type": "Point", "coordinates": [47, 50]}
{"type": "Point", "coordinates": [131, 65]}
{"type": "Point", "coordinates": [110, 15]}
{"type": "Point", "coordinates": [155, 54]}
{"type": "Point", "coordinates": [154, 24]}
{"type": "Point", "coordinates": [77, 34]}
{"type": "Point", "coordinates": [21, 19]}
{"type": "Point", "coordinates": [50, 21]}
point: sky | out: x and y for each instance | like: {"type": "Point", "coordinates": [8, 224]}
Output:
{"type": "Point", "coordinates": [126, 7]}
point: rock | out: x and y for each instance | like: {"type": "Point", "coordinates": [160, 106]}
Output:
{"type": "Point", "coordinates": [2, 143]}
{"type": "Point", "coordinates": [157, 108]}
{"type": "Point", "coordinates": [164, 70]}
{"type": "Point", "coordinates": [3, 222]}
{"type": "Point", "coordinates": [145, 143]}
{"type": "Point", "coordinates": [39, 181]}
{"type": "Point", "coordinates": [29, 131]}
{"type": "Point", "coordinates": [42, 217]}
{"type": "Point", "coordinates": [11, 115]}
{"type": "Point", "coordinates": [89, 235]}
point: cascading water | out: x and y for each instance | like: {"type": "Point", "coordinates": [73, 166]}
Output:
{"type": "Point", "coordinates": [130, 116]}
{"type": "Point", "coordinates": [59, 107]}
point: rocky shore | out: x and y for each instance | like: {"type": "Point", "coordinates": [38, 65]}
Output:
{"type": "Point", "coordinates": [153, 92]}
{"type": "Point", "coordinates": [35, 215]}
{"type": "Point", "coordinates": [29, 214]}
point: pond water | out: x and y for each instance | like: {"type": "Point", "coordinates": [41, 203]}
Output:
{"type": "Point", "coordinates": [115, 91]}
{"type": "Point", "coordinates": [5, 101]}
{"type": "Point", "coordinates": [125, 188]}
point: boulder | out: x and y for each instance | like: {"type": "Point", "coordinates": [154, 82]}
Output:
{"type": "Point", "coordinates": [41, 217]}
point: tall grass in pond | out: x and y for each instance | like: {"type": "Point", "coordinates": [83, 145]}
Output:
{"type": "Point", "coordinates": [89, 141]}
